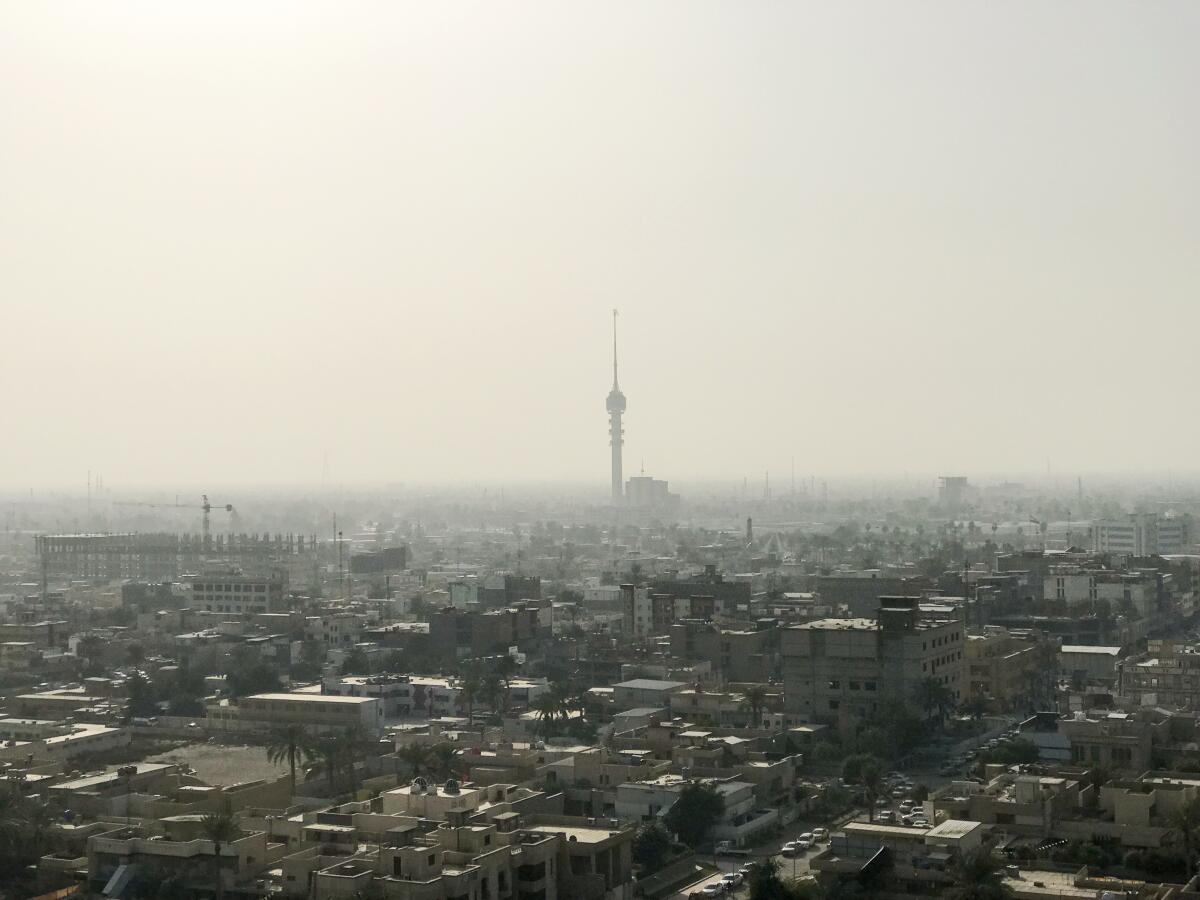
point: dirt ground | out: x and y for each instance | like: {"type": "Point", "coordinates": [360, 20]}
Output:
{"type": "Point", "coordinates": [223, 764]}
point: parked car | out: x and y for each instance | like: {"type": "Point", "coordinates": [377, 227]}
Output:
{"type": "Point", "coordinates": [731, 880]}
{"type": "Point", "coordinates": [745, 871]}
{"type": "Point", "coordinates": [920, 823]}
{"type": "Point", "coordinates": [804, 841]}
{"type": "Point", "coordinates": [715, 889]}
{"type": "Point", "coordinates": [898, 793]}
{"type": "Point", "coordinates": [789, 849]}
{"type": "Point", "coordinates": [906, 807]}
{"type": "Point", "coordinates": [820, 834]}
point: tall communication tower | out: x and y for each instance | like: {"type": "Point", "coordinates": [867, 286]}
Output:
{"type": "Point", "coordinates": [616, 433]}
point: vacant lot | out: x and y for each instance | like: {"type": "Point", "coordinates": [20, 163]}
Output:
{"type": "Point", "coordinates": [223, 763]}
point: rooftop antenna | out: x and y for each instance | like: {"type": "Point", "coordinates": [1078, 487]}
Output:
{"type": "Point", "coordinates": [614, 348]}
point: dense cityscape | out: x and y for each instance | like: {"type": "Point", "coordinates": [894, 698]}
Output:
{"type": "Point", "coordinates": [974, 689]}
{"type": "Point", "coordinates": [580, 450]}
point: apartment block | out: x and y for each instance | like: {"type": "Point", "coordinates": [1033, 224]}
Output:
{"type": "Point", "coordinates": [840, 671]}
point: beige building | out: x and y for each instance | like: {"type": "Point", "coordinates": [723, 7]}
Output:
{"type": "Point", "coordinates": [317, 712]}
{"type": "Point", "coordinates": [841, 670]}
{"type": "Point", "coordinates": [1000, 666]}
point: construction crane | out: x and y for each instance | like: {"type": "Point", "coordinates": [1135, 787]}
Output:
{"type": "Point", "coordinates": [205, 506]}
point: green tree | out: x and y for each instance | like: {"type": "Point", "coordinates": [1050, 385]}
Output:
{"type": "Point", "coordinates": [694, 814]}
{"type": "Point", "coordinates": [444, 760]}
{"type": "Point", "coordinates": [756, 700]}
{"type": "Point", "coordinates": [651, 845]}
{"type": "Point", "coordinates": [470, 690]}
{"type": "Point", "coordinates": [416, 757]}
{"type": "Point", "coordinates": [547, 706]}
{"type": "Point", "coordinates": [356, 662]}
{"type": "Point", "coordinates": [1185, 822]}
{"type": "Point", "coordinates": [140, 696]}
{"type": "Point", "coordinates": [976, 707]}
{"type": "Point", "coordinates": [135, 653]}
{"type": "Point", "coordinates": [24, 824]}
{"type": "Point", "coordinates": [933, 698]}
{"type": "Point", "coordinates": [330, 750]}
{"type": "Point", "coordinates": [765, 883]}
{"type": "Point", "coordinates": [291, 744]}
{"type": "Point", "coordinates": [220, 828]}
{"type": "Point", "coordinates": [977, 877]}
{"type": "Point", "coordinates": [866, 771]}
{"type": "Point", "coordinates": [91, 650]}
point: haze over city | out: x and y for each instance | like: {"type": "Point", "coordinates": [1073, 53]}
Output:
{"type": "Point", "coordinates": [599, 451]}
{"type": "Point", "coordinates": [878, 238]}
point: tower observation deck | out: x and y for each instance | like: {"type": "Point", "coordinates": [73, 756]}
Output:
{"type": "Point", "coordinates": [616, 433]}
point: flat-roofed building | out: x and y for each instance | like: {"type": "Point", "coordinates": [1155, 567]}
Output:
{"type": "Point", "coordinates": [317, 712]}
{"type": "Point", "coordinates": [645, 692]}
{"type": "Point", "coordinates": [840, 671]}
{"type": "Point", "coordinates": [233, 593]}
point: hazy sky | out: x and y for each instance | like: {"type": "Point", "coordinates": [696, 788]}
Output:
{"type": "Point", "coordinates": [878, 236]}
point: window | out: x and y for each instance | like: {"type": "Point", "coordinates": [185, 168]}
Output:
{"type": "Point", "coordinates": [833, 704]}
{"type": "Point", "coordinates": [869, 685]}
{"type": "Point", "coordinates": [854, 686]}
{"type": "Point", "coordinates": [835, 685]}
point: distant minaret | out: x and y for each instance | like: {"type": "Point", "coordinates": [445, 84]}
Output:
{"type": "Point", "coordinates": [616, 434]}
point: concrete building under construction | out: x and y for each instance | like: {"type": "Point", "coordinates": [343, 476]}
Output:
{"type": "Point", "coordinates": [165, 556]}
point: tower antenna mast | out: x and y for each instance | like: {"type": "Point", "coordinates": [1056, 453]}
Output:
{"type": "Point", "coordinates": [616, 433]}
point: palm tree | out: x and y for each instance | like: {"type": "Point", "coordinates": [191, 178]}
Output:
{"type": "Point", "coordinates": [470, 690]}
{"type": "Point", "coordinates": [756, 699]}
{"type": "Point", "coordinates": [934, 698]}
{"type": "Point", "coordinates": [506, 668]}
{"type": "Point", "coordinates": [291, 744]}
{"type": "Point", "coordinates": [867, 772]}
{"type": "Point", "coordinates": [547, 707]}
{"type": "Point", "coordinates": [331, 750]}
{"type": "Point", "coordinates": [491, 689]}
{"type": "Point", "coordinates": [220, 828]}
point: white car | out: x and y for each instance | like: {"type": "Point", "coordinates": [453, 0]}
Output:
{"type": "Point", "coordinates": [804, 841]}
{"type": "Point", "coordinates": [731, 880]}
{"type": "Point", "coordinates": [789, 849]}
{"type": "Point", "coordinates": [715, 889]}
{"type": "Point", "coordinates": [820, 834]}
{"type": "Point", "coordinates": [920, 823]}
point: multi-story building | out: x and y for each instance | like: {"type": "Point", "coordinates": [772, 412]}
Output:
{"type": "Point", "coordinates": [460, 634]}
{"type": "Point", "coordinates": [645, 693]}
{"type": "Point", "coordinates": [646, 613]}
{"type": "Point", "coordinates": [234, 593]}
{"type": "Point", "coordinates": [1134, 593]}
{"type": "Point", "coordinates": [741, 818]}
{"type": "Point", "coordinates": [378, 562]}
{"type": "Point", "coordinates": [1167, 675]}
{"type": "Point", "coordinates": [403, 695]}
{"type": "Point", "coordinates": [335, 629]}
{"type": "Point", "coordinates": [317, 712]}
{"type": "Point", "coordinates": [1143, 534]}
{"type": "Point", "coordinates": [736, 654]}
{"type": "Point", "coordinates": [1085, 664]}
{"type": "Point", "coordinates": [842, 670]}
{"type": "Point", "coordinates": [1000, 665]}
{"type": "Point", "coordinates": [860, 591]}
{"type": "Point", "coordinates": [918, 862]}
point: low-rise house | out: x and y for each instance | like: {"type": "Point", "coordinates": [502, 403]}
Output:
{"type": "Point", "coordinates": [914, 861]}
